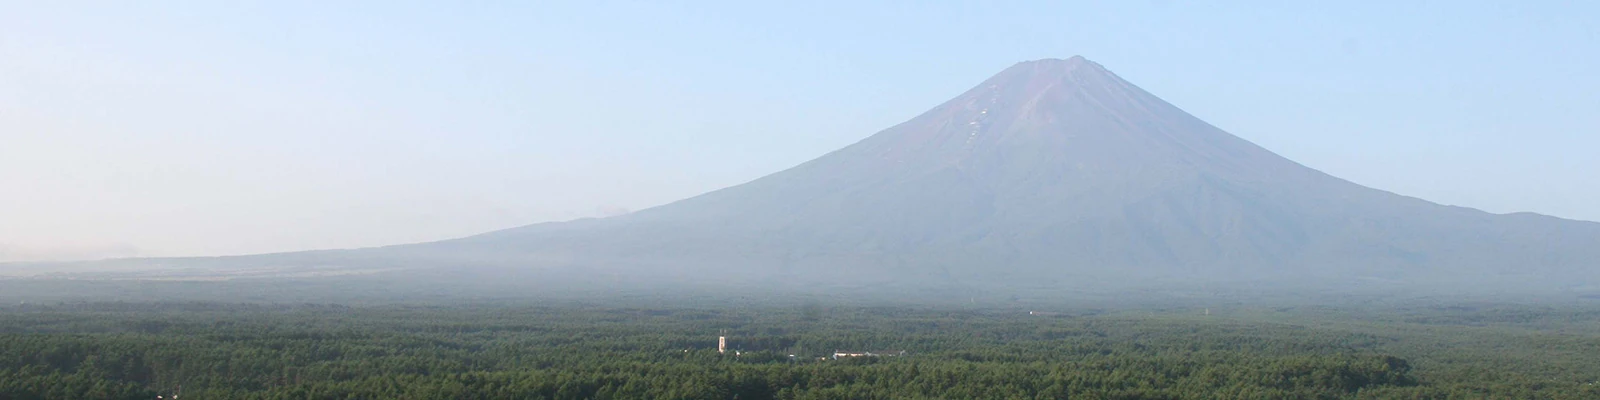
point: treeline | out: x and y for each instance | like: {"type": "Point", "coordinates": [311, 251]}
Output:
{"type": "Point", "coordinates": [214, 351]}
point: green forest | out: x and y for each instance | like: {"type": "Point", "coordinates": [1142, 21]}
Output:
{"type": "Point", "coordinates": [578, 350]}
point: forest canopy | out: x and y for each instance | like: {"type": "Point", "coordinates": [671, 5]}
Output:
{"type": "Point", "coordinates": [606, 351]}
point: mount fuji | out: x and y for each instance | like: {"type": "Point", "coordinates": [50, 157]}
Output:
{"type": "Point", "coordinates": [1052, 171]}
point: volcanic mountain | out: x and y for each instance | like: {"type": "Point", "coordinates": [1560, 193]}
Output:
{"type": "Point", "coordinates": [1051, 171]}
{"type": "Point", "coordinates": [1055, 169]}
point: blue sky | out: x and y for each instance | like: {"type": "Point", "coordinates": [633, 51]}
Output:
{"type": "Point", "coordinates": [190, 128]}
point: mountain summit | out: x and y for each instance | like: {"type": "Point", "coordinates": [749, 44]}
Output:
{"type": "Point", "coordinates": [1053, 169]}
{"type": "Point", "coordinates": [1051, 173]}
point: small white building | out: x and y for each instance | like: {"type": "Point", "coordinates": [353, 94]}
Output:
{"type": "Point", "coordinates": [846, 354]}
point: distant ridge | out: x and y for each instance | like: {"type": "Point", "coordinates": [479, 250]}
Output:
{"type": "Point", "coordinates": [1060, 169]}
{"type": "Point", "coordinates": [1052, 172]}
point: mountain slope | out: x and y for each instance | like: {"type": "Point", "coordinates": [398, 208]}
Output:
{"type": "Point", "coordinates": [1057, 168]}
{"type": "Point", "coordinates": [1050, 172]}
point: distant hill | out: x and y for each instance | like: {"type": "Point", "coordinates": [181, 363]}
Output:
{"type": "Point", "coordinates": [1051, 172]}
{"type": "Point", "coordinates": [17, 253]}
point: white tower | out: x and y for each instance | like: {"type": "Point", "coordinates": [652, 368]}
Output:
{"type": "Point", "coordinates": [722, 342]}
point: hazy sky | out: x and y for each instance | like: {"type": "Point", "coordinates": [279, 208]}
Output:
{"type": "Point", "coordinates": [220, 127]}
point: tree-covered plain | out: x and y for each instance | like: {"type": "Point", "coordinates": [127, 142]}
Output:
{"type": "Point", "coordinates": [576, 350]}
